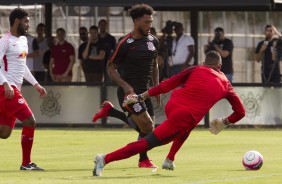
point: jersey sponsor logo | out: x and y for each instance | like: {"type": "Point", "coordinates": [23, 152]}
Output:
{"type": "Point", "coordinates": [130, 40]}
{"type": "Point", "coordinates": [22, 55]}
{"type": "Point", "coordinates": [21, 101]}
{"type": "Point", "coordinates": [137, 107]}
{"type": "Point", "coordinates": [151, 46]}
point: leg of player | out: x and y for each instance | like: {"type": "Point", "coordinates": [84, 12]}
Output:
{"type": "Point", "coordinates": [162, 135]}
{"type": "Point", "coordinates": [146, 125]}
{"type": "Point", "coordinates": [109, 110]}
{"type": "Point", "coordinates": [140, 121]}
{"type": "Point", "coordinates": [176, 145]}
{"type": "Point", "coordinates": [27, 139]}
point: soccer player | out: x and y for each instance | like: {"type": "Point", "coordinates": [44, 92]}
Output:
{"type": "Point", "coordinates": [13, 51]}
{"type": "Point", "coordinates": [135, 57]}
{"type": "Point", "coordinates": [199, 88]}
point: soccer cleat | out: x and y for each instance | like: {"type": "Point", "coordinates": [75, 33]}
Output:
{"type": "Point", "coordinates": [31, 167]}
{"type": "Point", "coordinates": [168, 164]}
{"type": "Point", "coordinates": [99, 165]}
{"type": "Point", "coordinates": [103, 112]}
{"type": "Point", "coordinates": [147, 164]}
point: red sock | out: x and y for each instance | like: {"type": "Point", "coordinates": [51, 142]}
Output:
{"type": "Point", "coordinates": [176, 145]}
{"type": "Point", "coordinates": [127, 151]}
{"type": "Point", "coordinates": [27, 142]}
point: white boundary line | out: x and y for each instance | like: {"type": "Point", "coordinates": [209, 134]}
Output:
{"type": "Point", "coordinates": [233, 179]}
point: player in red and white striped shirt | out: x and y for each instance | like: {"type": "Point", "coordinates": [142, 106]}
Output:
{"type": "Point", "coordinates": [195, 91]}
{"type": "Point", "coordinates": [13, 52]}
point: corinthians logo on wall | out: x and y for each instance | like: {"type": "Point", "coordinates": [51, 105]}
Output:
{"type": "Point", "coordinates": [50, 105]}
{"type": "Point", "coordinates": [252, 104]}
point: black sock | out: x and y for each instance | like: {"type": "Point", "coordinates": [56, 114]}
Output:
{"type": "Point", "coordinates": [143, 155]}
{"type": "Point", "coordinates": [121, 115]}
{"type": "Point", "coordinates": [118, 114]}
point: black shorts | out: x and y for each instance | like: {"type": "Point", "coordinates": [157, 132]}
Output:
{"type": "Point", "coordinates": [148, 102]}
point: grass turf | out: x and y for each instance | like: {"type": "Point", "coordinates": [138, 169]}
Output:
{"type": "Point", "coordinates": [67, 155]}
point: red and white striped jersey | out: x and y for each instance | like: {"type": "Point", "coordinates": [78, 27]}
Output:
{"type": "Point", "coordinates": [13, 52]}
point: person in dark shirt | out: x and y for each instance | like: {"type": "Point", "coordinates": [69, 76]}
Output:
{"type": "Point", "coordinates": [51, 41]}
{"type": "Point", "coordinates": [135, 55]}
{"type": "Point", "coordinates": [269, 66]}
{"type": "Point", "coordinates": [184, 110]}
{"type": "Point", "coordinates": [92, 54]}
{"type": "Point", "coordinates": [224, 47]}
{"type": "Point", "coordinates": [109, 41]}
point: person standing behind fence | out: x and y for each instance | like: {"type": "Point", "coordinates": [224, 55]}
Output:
{"type": "Point", "coordinates": [182, 50]}
{"type": "Point", "coordinates": [224, 47]}
{"type": "Point", "coordinates": [62, 59]}
{"type": "Point", "coordinates": [51, 42]}
{"type": "Point", "coordinates": [33, 51]}
{"type": "Point", "coordinates": [270, 70]}
{"type": "Point", "coordinates": [83, 36]}
{"type": "Point", "coordinates": [92, 54]}
{"type": "Point", "coordinates": [38, 66]}
{"type": "Point", "coordinates": [109, 41]}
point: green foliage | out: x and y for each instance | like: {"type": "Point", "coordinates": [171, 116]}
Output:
{"type": "Point", "coordinates": [67, 155]}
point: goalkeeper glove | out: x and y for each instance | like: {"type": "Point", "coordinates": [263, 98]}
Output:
{"type": "Point", "coordinates": [130, 99]}
{"type": "Point", "coordinates": [217, 125]}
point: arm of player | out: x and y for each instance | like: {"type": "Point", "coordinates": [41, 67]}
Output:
{"type": "Point", "coordinates": [217, 125]}
{"type": "Point", "coordinates": [9, 91]}
{"type": "Point", "coordinates": [30, 78]}
{"type": "Point", "coordinates": [171, 83]}
{"type": "Point", "coordinates": [115, 76]}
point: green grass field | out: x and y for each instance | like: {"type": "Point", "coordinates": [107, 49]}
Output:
{"type": "Point", "coordinates": [67, 155]}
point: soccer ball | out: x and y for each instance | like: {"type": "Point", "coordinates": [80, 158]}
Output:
{"type": "Point", "coordinates": [252, 160]}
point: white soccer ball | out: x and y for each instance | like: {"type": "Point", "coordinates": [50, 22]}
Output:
{"type": "Point", "coordinates": [252, 160]}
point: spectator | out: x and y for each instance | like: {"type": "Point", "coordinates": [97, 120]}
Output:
{"type": "Point", "coordinates": [83, 36]}
{"type": "Point", "coordinates": [224, 47]}
{"type": "Point", "coordinates": [166, 47]}
{"type": "Point", "coordinates": [160, 58]}
{"type": "Point", "coordinates": [62, 59]}
{"type": "Point", "coordinates": [182, 50]}
{"type": "Point", "coordinates": [270, 70]}
{"type": "Point", "coordinates": [33, 51]}
{"type": "Point", "coordinates": [109, 41]}
{"type": "Point", "coordinates": [92, 55]}
{"type": "Point", "coordinates": [39, 69]}
{"type": "Point", "coordinates": [51, 42]}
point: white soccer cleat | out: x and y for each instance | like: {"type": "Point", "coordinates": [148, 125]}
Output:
{"type": "Point", "coordinates": [168, 164]}
{"type": "Point", "coordinates": [99, 165]}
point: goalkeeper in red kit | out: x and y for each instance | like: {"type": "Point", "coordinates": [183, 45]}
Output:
{"type": "Point", "coordinates": [195, 91]}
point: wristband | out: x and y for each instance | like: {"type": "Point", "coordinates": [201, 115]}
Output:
{"type": "Point", "coordinates": [140, 97]}
{"type": "Point", "coordinates": [225, 122]}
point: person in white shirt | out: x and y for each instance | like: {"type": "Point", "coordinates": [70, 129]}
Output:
{"type": "Point", "coordinates": [13, 51]}
{"type": "Point", "coordinates": [33, 52]}
{"type": "Point", "coordinates": [182, 50]}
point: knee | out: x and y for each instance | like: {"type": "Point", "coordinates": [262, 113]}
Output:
{"type": "Point", "coordinates": [148, 128]}
{"type": "Point", "coordinates": [5, 135]}
{"type": "Point", "coordinates": [30, 122]}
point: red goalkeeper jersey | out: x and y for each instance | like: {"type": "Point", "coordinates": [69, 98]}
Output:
{"type": "Point", "coordinates": [199, 88]}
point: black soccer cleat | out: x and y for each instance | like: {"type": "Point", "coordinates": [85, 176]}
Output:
{"type": "Point", "coordinates": [31, 167]}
